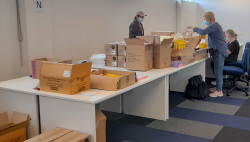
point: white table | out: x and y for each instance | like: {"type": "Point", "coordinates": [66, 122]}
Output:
{"type": "Point", "coordinates": [147, 98]}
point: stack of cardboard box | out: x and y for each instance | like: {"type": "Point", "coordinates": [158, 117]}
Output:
{"type": "Point", "coordinates": [111, 51]}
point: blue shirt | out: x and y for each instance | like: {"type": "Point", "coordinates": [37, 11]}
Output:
{"type": "Point", "coordinates": [215, 37]}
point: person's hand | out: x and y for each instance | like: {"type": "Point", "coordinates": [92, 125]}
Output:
{"type": "Point", "coordinates": [190, 27]}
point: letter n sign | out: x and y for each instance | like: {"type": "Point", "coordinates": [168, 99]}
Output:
{"type": "Point", "coordinates": [38, 5]}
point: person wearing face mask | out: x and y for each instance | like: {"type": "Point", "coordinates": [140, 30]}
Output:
{"type": "Point", "coordinates": [233, 46]}
{"type": "Point", "coordinates": [217, 49]}
{"type": "Point", "coordinates": [136, 27]}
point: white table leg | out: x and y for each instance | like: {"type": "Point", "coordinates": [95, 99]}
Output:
{"type": "Point", "coordinates": [179, 80]}
{"type": "Point", "coordinates": [149, 100]}
{"type": "Point", "coordinates": [68, 114]}
{"type": "Point", "coordinates": [14, 101]}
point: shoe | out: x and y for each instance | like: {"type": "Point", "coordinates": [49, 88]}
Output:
{"type": "Point", "coordinates": [213, 89]}
{"type": "Point", "coordinates": [216, 94]}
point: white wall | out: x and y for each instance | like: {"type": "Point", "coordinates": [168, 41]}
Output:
{"type": "Point", "coordinates": [231, 14]}
{"type": "Point", "coordinates": [76, 29]}
{"type": "Point", "coordinates": [9, 54]}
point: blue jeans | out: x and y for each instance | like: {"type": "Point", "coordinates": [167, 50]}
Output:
{"type": "Point", "coordinates": [218, 59]}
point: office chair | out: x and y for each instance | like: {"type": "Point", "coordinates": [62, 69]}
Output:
{"type": "Point", "coordinates": [243, 78]}
{"type": "Point", "coordinates": [237, 72]}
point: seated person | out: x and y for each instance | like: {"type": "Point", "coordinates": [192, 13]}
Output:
{"type": "Point", "coordinates": [233, 48]}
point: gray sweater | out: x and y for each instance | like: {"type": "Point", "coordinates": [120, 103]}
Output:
{"type": "Point", "coordinates": [215, 37]}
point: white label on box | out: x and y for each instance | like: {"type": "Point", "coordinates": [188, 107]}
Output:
{"type": "Point", "coordinates": [114, 64]}
{"type": "Point", "coordinates": [125, 65]}
{"type": "Point", "coordinates": [67, 73]}
{"type": "Point", "coordinates": [125, 53]}
{"type": "Point", "coordinates": [113, 52]}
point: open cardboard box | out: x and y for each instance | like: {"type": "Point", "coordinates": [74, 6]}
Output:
{"type": "Point", "coordinates": [162, 50]}
{"type": "Point", "coordinates": [13, 130]}
{"type": "Point", "coordinates": [65, 78]}
{"type": "Point", "coordinates": [37, 62]}
{"type": "Point", "coordinates": [98, 81]}
{"type": "Point", "coordinates": [60, 135]}
{"type": "Point", "coordinates": [139, 54]}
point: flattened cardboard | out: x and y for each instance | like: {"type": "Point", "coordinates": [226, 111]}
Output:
{"type": "Point", "coordinates": [122, 50]}
{"type": "Point", "coordinates": [37, 62]}
{"type": "Point", "coordinates": [98, 81]}
{"type": "Point", "coordinates": [65, 78]}
{"type": "Point", "coordinates": [111, 61]}
{"type": "Point", "coordinates": [163, 33]}
{"type": "Point", "coordinates": [50, 135]}
{"type": "Point", "coordinates": [100, 125]}
{"type": "Point", "coordinates": [162, 51]}
{"type": "Point", "coordinates": [74, 137]}
{"type": "Point", "coordinates": [16, 129]}
{"type": "Point", "coordinates": [111, 49]}
{"type": "Point", "coordinates": [139, 54]}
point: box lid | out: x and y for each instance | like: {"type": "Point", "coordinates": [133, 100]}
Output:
{"type": "Point", "coordinates": [61, 70]}
{"type": "Point", "coordinates": [135, 41]}
{"type": "Point", "coordinates": [4, 120]}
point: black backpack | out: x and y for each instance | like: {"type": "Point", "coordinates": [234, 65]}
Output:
{"type": "Point", "coordinates": [196, 88]}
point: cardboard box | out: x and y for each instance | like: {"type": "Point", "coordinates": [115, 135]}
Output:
{"type": "Point", "coordinates": [111, 61]}
{"type": "Point", "coordinates": [37, 62]}
{"type": "Point", "coordinates": [201, 54]}
{"type": "Point", "coordinates": [13, 130]}
{"type": "Point", "coordinates": [122, 61]}
{"type": "Point", "coordinates": [122, 50]}
{"type": "Point", "coordinates": [187, 54]}
{"type": "Point", "coordinates": [65, 78]}
{"type": "Point", "coordinates": [139, 54]}
{"type": "Point", "coordinates": [163, 33]}
{"type": "Point", "coordinates": [98, 81]}
{"type": "Point", "coordinates": [100, 125]}
{"type": "Point", "coordinates": [111, 49]}
{"type": "Point", "coordinates": [60, 135]}
{"type": "Point", "coordinates": [162, 51]}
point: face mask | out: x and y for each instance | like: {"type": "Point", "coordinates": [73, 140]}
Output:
{"type": "Point", "coordinates": [227, 39]}
{"type": "Point", "coordinates": [141, 19]}
{"type": "Point", "coordinates": [205, 22]}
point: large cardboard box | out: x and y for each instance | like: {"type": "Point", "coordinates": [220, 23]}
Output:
{"type": "Point", "coordinates": [139, 54]}
{"type": "Point", "coordinates": [65, 78]}
{"type": "Point", "coordinates": [122, 49]}
{"type": "Point", "coordinates": [111, 49]}
{"type": "Point", "coordinates": [37, 62]}
{"type": "Point", "coordinates": [99, 81]}
{"type": "Point", "coordinates": [60, 135]}
{"type": "Point", "coordinates": [13, 130]}
{"type": "Point", "coordinates": [122, 61]}
{"type": "Point", "coordinates": [201, 54]}
{"type": "Point", "coordinates": [163, 33]}
{"type": "Point", "coordinates": [162, 51]}
{"type": "Point", "coordinates": [111, 61]}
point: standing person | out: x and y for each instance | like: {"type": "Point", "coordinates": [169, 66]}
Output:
{"type": "Point", "coordinates": [233, 46]}
{"type": "Point", "coordinates": [136, 27]}
{"type": "Point", "coordinates": [217, 48]}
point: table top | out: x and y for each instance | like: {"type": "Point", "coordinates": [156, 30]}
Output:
{"type": "Point", "coordinates": [26, 85]}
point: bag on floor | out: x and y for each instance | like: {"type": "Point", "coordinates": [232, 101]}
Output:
{"type": "Point", "coordinates": [196, 88]}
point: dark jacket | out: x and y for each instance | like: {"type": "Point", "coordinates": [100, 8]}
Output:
{"type": "Point", "coordinates": [216, 39]}
{"type": "Point", "coordinates": [135, 29]}
{"type": "Point", "coordinates": [234, 47]}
